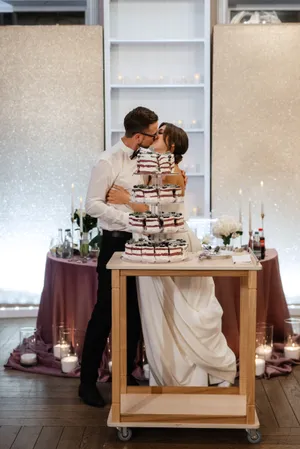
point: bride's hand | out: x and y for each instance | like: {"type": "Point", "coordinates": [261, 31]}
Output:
{"type": "Point", "coordinates": [185, 178]}
{"type": "Point", "coordinates": [118, 195]}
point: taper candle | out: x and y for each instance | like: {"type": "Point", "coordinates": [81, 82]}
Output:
{"type": "Point", "coordinates": [72, 201]}
{"type": "Point", "coordinates": [81, 219]}
{"type": "Point", "coordinates": [240, 205]}
{"type": "Point", "coordinates": [250, 216]}
{"type": "Point", "coordinates": [262, 198]}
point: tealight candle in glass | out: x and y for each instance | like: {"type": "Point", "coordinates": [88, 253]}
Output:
{"type": "Point", "coordinates": [121, 79]}
{"type": "Point", "coordinates": [291, 338]}
{"type": "Point", "coordinates": [28, 356]}
{"type": "Point", "coordinates": [60, 345]}
{"type": "Point", "coordinates": [264, 340]}
{"type": "Point", "coordinates": [197, 78]}
{"type": "Point", "coordinates": [69, 360]}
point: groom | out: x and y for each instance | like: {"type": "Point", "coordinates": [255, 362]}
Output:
{"type": "Point", "coordinates": [115, 166]}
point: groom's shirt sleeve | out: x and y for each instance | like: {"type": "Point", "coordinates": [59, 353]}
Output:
{"type": "Point", "coordinates": [109, 217]}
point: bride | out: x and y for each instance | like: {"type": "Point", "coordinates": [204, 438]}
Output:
{"type": "Point", "coordinates": [181, 317]}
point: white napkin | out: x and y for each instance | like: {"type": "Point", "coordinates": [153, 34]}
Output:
{"type": "Point", "coordinates": [245, 258]}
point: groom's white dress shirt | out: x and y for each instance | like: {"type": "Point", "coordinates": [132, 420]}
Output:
{"type": "Point", "coordinates": [113, 167]}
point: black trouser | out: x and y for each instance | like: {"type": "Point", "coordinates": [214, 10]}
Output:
{"type": "Point", "coordinates": [99, 325]}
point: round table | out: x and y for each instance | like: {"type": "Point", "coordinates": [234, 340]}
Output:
{"type": "Point", "coordinates": [70, 293]}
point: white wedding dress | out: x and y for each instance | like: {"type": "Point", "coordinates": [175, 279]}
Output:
{"type": "Point", "coordinates": [181, 320]}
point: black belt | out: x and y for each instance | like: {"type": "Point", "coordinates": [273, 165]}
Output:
{"type": "Point", "coordinates": [117, 234]}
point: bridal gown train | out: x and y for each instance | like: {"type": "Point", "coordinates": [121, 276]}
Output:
{"type": "Point", "coordinates": [182, 322]}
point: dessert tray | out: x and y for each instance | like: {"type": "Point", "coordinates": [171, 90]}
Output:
{"type": "Point", "coordinates": [165, 194]}
{"type": "Point", "coordinates": [155, 223]}
{"type": "Point", "coordinates": [147, 251]}
{"type": "Point", "coordinates": [151, 163]}
{"type": "Point", "coordinates": [219, 252]}
{"type": "Point", "coordinates": [148, 223]}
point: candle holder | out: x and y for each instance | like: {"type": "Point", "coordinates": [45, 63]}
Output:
{"type": "Point", "coordinates": [78, 343]}
{"type": "Point", "coordinates": [69, 351]}
{"type": "Point", "coordinates": [28, 356]}
{"type": "Point", "coordinates": [84, 245]}
{"type": "Point", "coordinates": [197, 78]}
{"type": "Point", "coordinates": [292, 338]}
{"type": "Point", "coordinates": [121, 79]}
{"type": "Point", "coordinates": [146, 367]}
{"type": "Point", "coordinates": [72, 232]}
{"type": "Point", "coordinates": [179, 123]}
{"type": "Point", "coordinates": [61, 345]}
{"type": "Point", "coordinates": [264, 340]}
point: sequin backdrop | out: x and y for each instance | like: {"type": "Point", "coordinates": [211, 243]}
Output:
{"type": "Point", "coordinates": [51, 132]}
{"type": "Point", "coordinates": [256, 134]}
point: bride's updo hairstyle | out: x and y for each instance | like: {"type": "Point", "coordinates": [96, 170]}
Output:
{"type": "Point", "coordinates": [173, 135]}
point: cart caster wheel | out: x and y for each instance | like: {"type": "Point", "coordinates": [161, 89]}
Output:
{"type": "Point", "coordinates": [253, 436]}
{"type": "Point", "coordinates": [124, 434]}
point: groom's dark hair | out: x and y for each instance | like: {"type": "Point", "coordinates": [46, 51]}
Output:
{"type": "Point", "coordinates": [138, 120]}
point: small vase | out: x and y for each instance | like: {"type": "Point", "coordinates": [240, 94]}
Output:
{"type": "Point", "coordinates": [226, 240]}
{"type": "Point", "coordinates": [84, 245]}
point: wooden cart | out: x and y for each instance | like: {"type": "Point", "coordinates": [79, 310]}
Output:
{"type": "Point", "coordinates": [193, 407]}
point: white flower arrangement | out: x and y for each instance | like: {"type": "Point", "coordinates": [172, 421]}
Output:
{"type": "Point", "coordinates": [206, 239]}
{"type": "Point", "coordinates": [227, 228]}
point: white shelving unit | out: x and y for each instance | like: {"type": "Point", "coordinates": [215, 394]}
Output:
{"type": "Point", "coordinates": [157, 54]}
{"type": "Point", "coordinates": [288, 11]}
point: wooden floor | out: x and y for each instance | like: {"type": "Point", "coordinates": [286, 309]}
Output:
{"type": "Point", "coordinates": [42, 412]}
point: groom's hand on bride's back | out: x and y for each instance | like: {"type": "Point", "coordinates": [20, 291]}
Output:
{"type": "Point", "coordinates": [117, 195]}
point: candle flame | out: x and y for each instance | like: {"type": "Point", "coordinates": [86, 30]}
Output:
{"type": "Point", "coordinates": [72, 186]}
{"type": "Point", "coordinates": [261, 183]}
{"type": "Point", "coordinates": [240, 191]}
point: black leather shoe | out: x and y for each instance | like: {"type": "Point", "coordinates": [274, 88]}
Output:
{"type": "Point", "coordinates": [132, 382]}
{"type": "Point", "coordinates": [90, 395]}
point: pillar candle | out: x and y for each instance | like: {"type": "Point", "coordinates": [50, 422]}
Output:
{"type": "Point", "coordinates": [61, 350]}
{"type": "Point", "coordinates": [28, 359]}
{"type": "Point", "coordinates": [260, 366]}
{"type": "Point", "coordinates": [264, 351]}
{"type": "Point", "coordinates": [146, 371]}
{"type": "Point", "coordinates": [292, 352]}
{"type": "Point", "coordinates": [68, 364]}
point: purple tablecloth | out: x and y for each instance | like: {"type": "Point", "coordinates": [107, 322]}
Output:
{"type": "Point", "coordinates": [70, 292]}
{"type": "Point", "coordinates": [68, 297]}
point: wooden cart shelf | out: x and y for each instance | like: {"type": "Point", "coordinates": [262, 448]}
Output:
{"type": "Point", "coordinates": [201, 407]}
